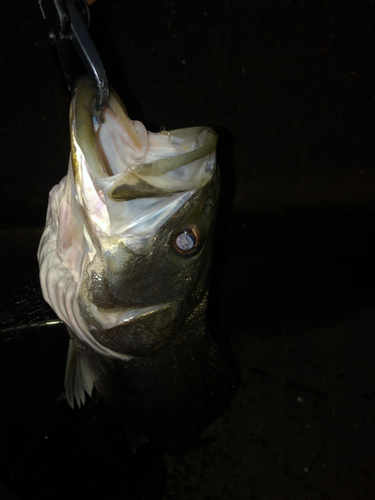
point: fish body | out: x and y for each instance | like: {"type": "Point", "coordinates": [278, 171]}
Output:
{"type": "Point", "coordinates": [125, 262]}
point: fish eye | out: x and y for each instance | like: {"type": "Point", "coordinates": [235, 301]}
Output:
{"type": "Point", "coordinates": [187, 241]}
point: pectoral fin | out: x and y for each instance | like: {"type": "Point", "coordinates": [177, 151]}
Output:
{"type": "Point", "coordinates": [78, 377]}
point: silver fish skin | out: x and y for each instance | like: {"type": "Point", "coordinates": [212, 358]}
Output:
{"type": "Point", "coordinates": [125, 263]}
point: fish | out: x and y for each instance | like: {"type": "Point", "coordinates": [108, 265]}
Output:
{"type": "Point", "coordinates": [125, 261]}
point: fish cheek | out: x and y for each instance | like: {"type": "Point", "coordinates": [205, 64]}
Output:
{"type": "Point", "coordinates": [152, 279]}
{"type": "Point", "coordinates": [147, 280]}
{"type": "Point", "coordinates": [95, 286]}
{"type": "Point", "coordinates": [122, 279]}
{"type": "Point", "coordinates": [117, 278]}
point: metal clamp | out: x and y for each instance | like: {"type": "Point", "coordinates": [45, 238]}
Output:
{"type": "Point", "coordinates": [67, 23]}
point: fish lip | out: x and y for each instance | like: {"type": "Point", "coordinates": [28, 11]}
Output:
{"type": "Point", "coordinates": [109, 320]}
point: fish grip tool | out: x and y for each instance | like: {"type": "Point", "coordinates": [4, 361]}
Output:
{"type": "Point", "coordinates": [67, 23]}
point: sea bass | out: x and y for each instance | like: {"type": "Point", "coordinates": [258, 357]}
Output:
{"type": "Point", "coordinates": [125, 261]}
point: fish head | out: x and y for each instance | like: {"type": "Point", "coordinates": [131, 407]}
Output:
{"type": "Point", "coordinates": [125, 255]}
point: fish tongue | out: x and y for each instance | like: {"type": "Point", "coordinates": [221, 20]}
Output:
{"type": "Point", "coordinates": [120, 141]}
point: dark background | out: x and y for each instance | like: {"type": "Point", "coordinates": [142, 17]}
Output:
{"type": "Point", "coordinates": [290, 88]}
{"type": "Point", "coordinates": [288, 85]}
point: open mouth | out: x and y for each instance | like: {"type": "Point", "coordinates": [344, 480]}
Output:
{"type": "Point", "coordinates": [131, 181]}
{"type": "Point", "coordinates": [128, 162]}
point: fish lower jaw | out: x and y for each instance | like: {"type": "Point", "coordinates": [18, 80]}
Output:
{"type": "Point", "coordinates": [108, 319]}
